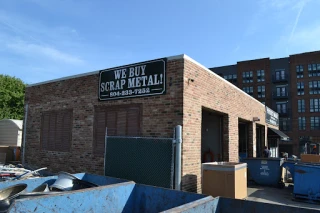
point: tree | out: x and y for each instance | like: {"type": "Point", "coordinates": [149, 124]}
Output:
{"type": "Point", "coordinates": [11, 97]}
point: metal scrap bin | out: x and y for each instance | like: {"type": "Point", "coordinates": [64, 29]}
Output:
{"type": "Point", "coordinates": [306, 181]}
{"type": "Point", "coordinates": [289, 165]}
{"type": "Point", "coordinates": [130, 197]}
{"type": "Point", "coordinates": [121, 197]}
{"type": "Point", "coordinates": [265, 171]}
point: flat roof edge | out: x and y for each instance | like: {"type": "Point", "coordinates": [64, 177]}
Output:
{"type": "Point", "coordinates": [208, 70]}
{"type": "Point", "coordinates": [64, 78]}
{"type": "Point", "coordinates": [181, 56]}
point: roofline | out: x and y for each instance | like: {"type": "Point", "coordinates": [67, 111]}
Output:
{"type": "Point", "coordinates": [14, 121]}
{"type": "Point", "coordinates": [64, 78]}
{"type": "Point", "coordinates": [176, 57]}
{"type": "Point", "coordinates": [91, 73]}
{"type": "Point", "coordinates": [213, 73]}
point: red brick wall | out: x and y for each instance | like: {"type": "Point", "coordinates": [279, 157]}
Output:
{"type": "Point", "coordinates": [182, 105]}
{"type": "Point", "coordinates": [302, 59]}
{"type": "Point", "coordinates": [212, 92]}
{"type": "Point", "coordinates": [160, 114]}
{"type": "Point", "coordinates": [254, 65]}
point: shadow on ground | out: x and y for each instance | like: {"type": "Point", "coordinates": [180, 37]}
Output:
{"type": "Point", "coordinates": [277, 196]}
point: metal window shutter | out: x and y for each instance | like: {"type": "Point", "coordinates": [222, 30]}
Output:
{"type": "Point", "coordinates": [58, 133]}
{"type": "Point", "coordinates": [66, 131]}
{"type": "Point", "coordinates": [122, 122]}
{"type": "Point", "coordinates": [52, 132]}
{"type": "Point", "coordinates": [45, 131]}
{"type": "Point", "coordinates": [133, 121]}
{"type": "Point", "coordinates": [99, 131]}
{"type": "Point", "coordinates": [111, 121]}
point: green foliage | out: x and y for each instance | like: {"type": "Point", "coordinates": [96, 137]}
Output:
{"type": "Point", "coordinates": [11, 97]}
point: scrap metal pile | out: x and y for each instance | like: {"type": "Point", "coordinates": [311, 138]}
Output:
{"type": "Point", "coordinates": [64, 182]}
{"type": "Point", "coordinates": [17, 172]}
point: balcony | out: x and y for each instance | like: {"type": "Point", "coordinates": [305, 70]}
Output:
{"type": "Point", "coordinates": [280, 78]}
{"type": "Point", "coordinates": [284, 113]}
{"type": "Point", "coordinates": [285, 128]}
{"type": "Point", "coordinates": [280, 95]}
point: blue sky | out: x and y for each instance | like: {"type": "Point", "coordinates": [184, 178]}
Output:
{"type": "Point", "coordinates": [42, 40]}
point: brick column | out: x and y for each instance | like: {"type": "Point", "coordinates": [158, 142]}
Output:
{"type": "Point", "coordinates": [230, 139]}
{"type": "Point", "coordinates": [265, 136]}
{"type": "Point", "coordinates": [263, 140]}
{"type": "Point", "coordinates": [252, 149]}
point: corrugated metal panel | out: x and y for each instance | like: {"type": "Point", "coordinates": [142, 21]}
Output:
{"type": "Point", "coordinates": [120, 121]}
{"type": "Point", "coordinates": [56, 132]}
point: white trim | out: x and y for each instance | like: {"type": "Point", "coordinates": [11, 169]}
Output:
{"type": "Point", "coordinates": [65, 78]}
{"type": "Point", "coordinates": [97, 72]}
{"type": "Point", "coordinates": [175, 57]}
{"type": "Point", "coordinates": [216, 75]}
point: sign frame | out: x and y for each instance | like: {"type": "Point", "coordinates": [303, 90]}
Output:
{"type": "Point", "coordinates": [162, 90]}
{"type": "Point", "coordinates": [272, 116]}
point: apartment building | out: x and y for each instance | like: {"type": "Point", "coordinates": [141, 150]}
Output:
{"type": "Point", "coordinates": [289, 86]}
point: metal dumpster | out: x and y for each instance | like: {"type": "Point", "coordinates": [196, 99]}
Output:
{"type": "Point", "coordinates": [227, 205]}
{"type": "Point", "coordinates": [265, 171]}
{"type": "Point", "coordinates": [131, 197]}
{"type": "Point", "coordinates": [289, 165]}
{"type": "Point", "coordinates": [306, 183]}
{"type": "Point", "coordinates": [121, 197]}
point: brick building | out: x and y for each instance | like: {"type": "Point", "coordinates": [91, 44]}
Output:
{"type": "Point", "coordinates": [66, 120]}
{"type": "Point", "coordinates": [291, 87]}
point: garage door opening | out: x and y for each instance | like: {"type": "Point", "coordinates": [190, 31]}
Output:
{"type": "Point", "coordinates": [211, 136]}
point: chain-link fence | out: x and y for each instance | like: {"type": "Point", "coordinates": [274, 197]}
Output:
{"type": "Point", "coordinates": [147, 161]}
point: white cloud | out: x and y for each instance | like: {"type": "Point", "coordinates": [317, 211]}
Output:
{"type": "Point", "coordinates": [32, 38]}
{"type": "Point", "coordinates": [31, 49]}
{"type": "Point", "coordinates": [275, 11]}
{"type": "Point", "coordinates": [308, 37]}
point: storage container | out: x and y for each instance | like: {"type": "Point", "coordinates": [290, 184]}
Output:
{"type": "Point", "coordinates": [266, 171]}
{"type": "Point", "coordinates": [225, 179]}
{"type": "Point", "coordinates": [306, 181]}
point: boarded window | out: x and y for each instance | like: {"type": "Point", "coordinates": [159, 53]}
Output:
{"type": "Point", "coordinates": [56, 130]}
{"type": "Point", "coordinates": [120, 121]}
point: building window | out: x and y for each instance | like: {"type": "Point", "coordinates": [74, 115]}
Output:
{"type": "Point", "coordinates": [281, 107]}
{"type": "Point", "coordinates": [302, 123]}
{"type": "Point", "coordinates": [281, 91]}
{"type": "Point", "coordinates": [284, 124]}
{"type": "Point", "coordinates": [56, 130]}
{"type": "Point", "coordinates": [300, 88]}
{"type": "Point", "coordinates": [299, 71]}
{"type": "Point", "coordinates": [314, 105]}
{"type": "Point", "coordinates": [280, 75]}
{"type": "Point", "coordinates": [260, 75]}
{"type": "Point", "coordinates": [261, 92]}
{"type": "Point", "coordinates": [120, 121]}
{"type": "Point", "coordinates": [231, 78]}
{"type": "Point", "coordinates": [247, 77]}
{"type": "Point", "coordinates": [314, 70]}
{"type": "Point", "coordinates": [248, 90]}
{"type": "Point", "coordinates": [314, 121]}
{"type": "Point", "coordinates": [301, 105]}
{"type": "Point", "coordinates": [314, 87]}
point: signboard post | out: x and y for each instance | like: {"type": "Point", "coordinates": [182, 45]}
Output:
{"type": "Point", "coordinates": [136, 80]}
{"type": "Point", "coordinates": [272, 117]}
